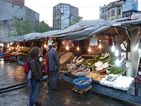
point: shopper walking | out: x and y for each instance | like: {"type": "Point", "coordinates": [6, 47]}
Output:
{"type": "Point", "coordinates": [36, 74]}
{"type": "Point", "coordinates": [53, 62]}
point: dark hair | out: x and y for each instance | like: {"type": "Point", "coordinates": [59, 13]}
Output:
{"type": "Point", "coordinates": [34, 52]}
{"type": "Point", "coordinates": [54, 45]}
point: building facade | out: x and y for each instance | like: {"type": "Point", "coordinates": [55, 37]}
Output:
{"type": "Point", "coordinates": [12, 11]}
{"type": "Point", "coordinates": [129, 8]}
{"type": "Point", "coordinates": [119, 9]}
{"type": "Point", "coordinates": [15, 2]}
{"type": "Point", "coordinates": [64, 15]}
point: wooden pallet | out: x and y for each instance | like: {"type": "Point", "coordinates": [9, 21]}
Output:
{"type": "Point", "coordinates": [82, 91]}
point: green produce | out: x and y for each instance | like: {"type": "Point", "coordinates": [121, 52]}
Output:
{"type": "Point", "coordinates": [115, 70]}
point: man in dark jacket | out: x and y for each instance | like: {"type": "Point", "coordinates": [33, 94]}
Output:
{"type": "Point", "coordinates": [53, 62]}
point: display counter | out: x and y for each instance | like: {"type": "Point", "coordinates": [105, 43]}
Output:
{"type": "Point", "coordinates": [107, 91]}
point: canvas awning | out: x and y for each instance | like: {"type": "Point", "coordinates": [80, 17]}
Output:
{"type": "Point", "coordinates": [27, 37]}
{"type": "Point", "coordinates": [7, 38]}
{"type": "Point", "coordinates": [84, 29]}
{"type": "Point", "coordinates": [78, 31]}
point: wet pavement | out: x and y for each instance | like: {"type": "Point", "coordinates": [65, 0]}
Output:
{"type": "Point", "coordinates": [66, 97]}
{"type": "Point", "coordinates": [10, 74]}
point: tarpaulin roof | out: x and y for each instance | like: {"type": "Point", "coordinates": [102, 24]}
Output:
{"type": "Point", "coordinates": [128, 22]}
{"type": "Point", "coordinates": [7, 38]}
{"type": "Point", "coordinates": [78, 31]}
{"type": "Point", "coordinates": [85, 24]}
{"type": "Point", "coordinates": [49, 33]}
{"type": "Point", "coordinates": [30, 36]}
{"type": "Point", "coordinates": [84, 29]}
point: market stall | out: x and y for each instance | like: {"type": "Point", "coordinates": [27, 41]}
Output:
{"type": "Point", "coordinates": [102, 52]}
{"type": "Point", "coordinates": [106, 67]}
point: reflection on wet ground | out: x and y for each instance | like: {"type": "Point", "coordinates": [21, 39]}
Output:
{"type": "Point", "coordinates": [11, 74]}
{"type": "Point", "coordinates": [66, 97]}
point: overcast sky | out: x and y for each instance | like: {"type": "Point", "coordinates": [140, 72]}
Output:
{"type": "Point", "coordinates": [88, 9]}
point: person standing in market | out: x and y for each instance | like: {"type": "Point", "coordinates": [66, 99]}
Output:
{"type": "Point", "coordinates": [5, 48]}
{"type": "Point", "coordinates": [36, 74]}
{"type": "Point", "coordinates": [46, 58]}
{"type": "Point", "coordinates": [53, 63]}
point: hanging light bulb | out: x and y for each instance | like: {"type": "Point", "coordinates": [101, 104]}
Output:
{"type": "Point", "coordinates": [63, 42]}
{"type": "Point", "coordinates": [0, 44]}
{"type": "Point", "coordinates": [89, 49]}
{"type": "Point", "coordinates": [116, 53]}
{"type": "Point", "coordinates": [8, 45]}
{"type": "Point", "coordinates": [113, 48]}
{"type": "Point", "coordinates": [78, 48]}
{"type": "Point", "coordinates": [9, 49]}
{"type": "Point", "coordinates": [67, 47]}
{"type": "Point", "coordinates": [99, 46]}
{"type": "Point", "coordinates": [45, 45]}
{"type": "Point", "coordinates": [11, 43]}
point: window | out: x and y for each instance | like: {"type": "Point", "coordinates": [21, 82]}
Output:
{"type": "Point", "coordinates": [128, 14]}
{"type": "Point", "coordinates": [119, 12]}
{"type": "Point", "coordinates": [5, 21]}
{"type": "Point", "coordinates": [29, 12]}
{"type": "Point", "coordinates": [112, 13]}
{"type": "Point", "coordinates": [102, 10]}
{"type": "Point", "coordinates": [108, 14]}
